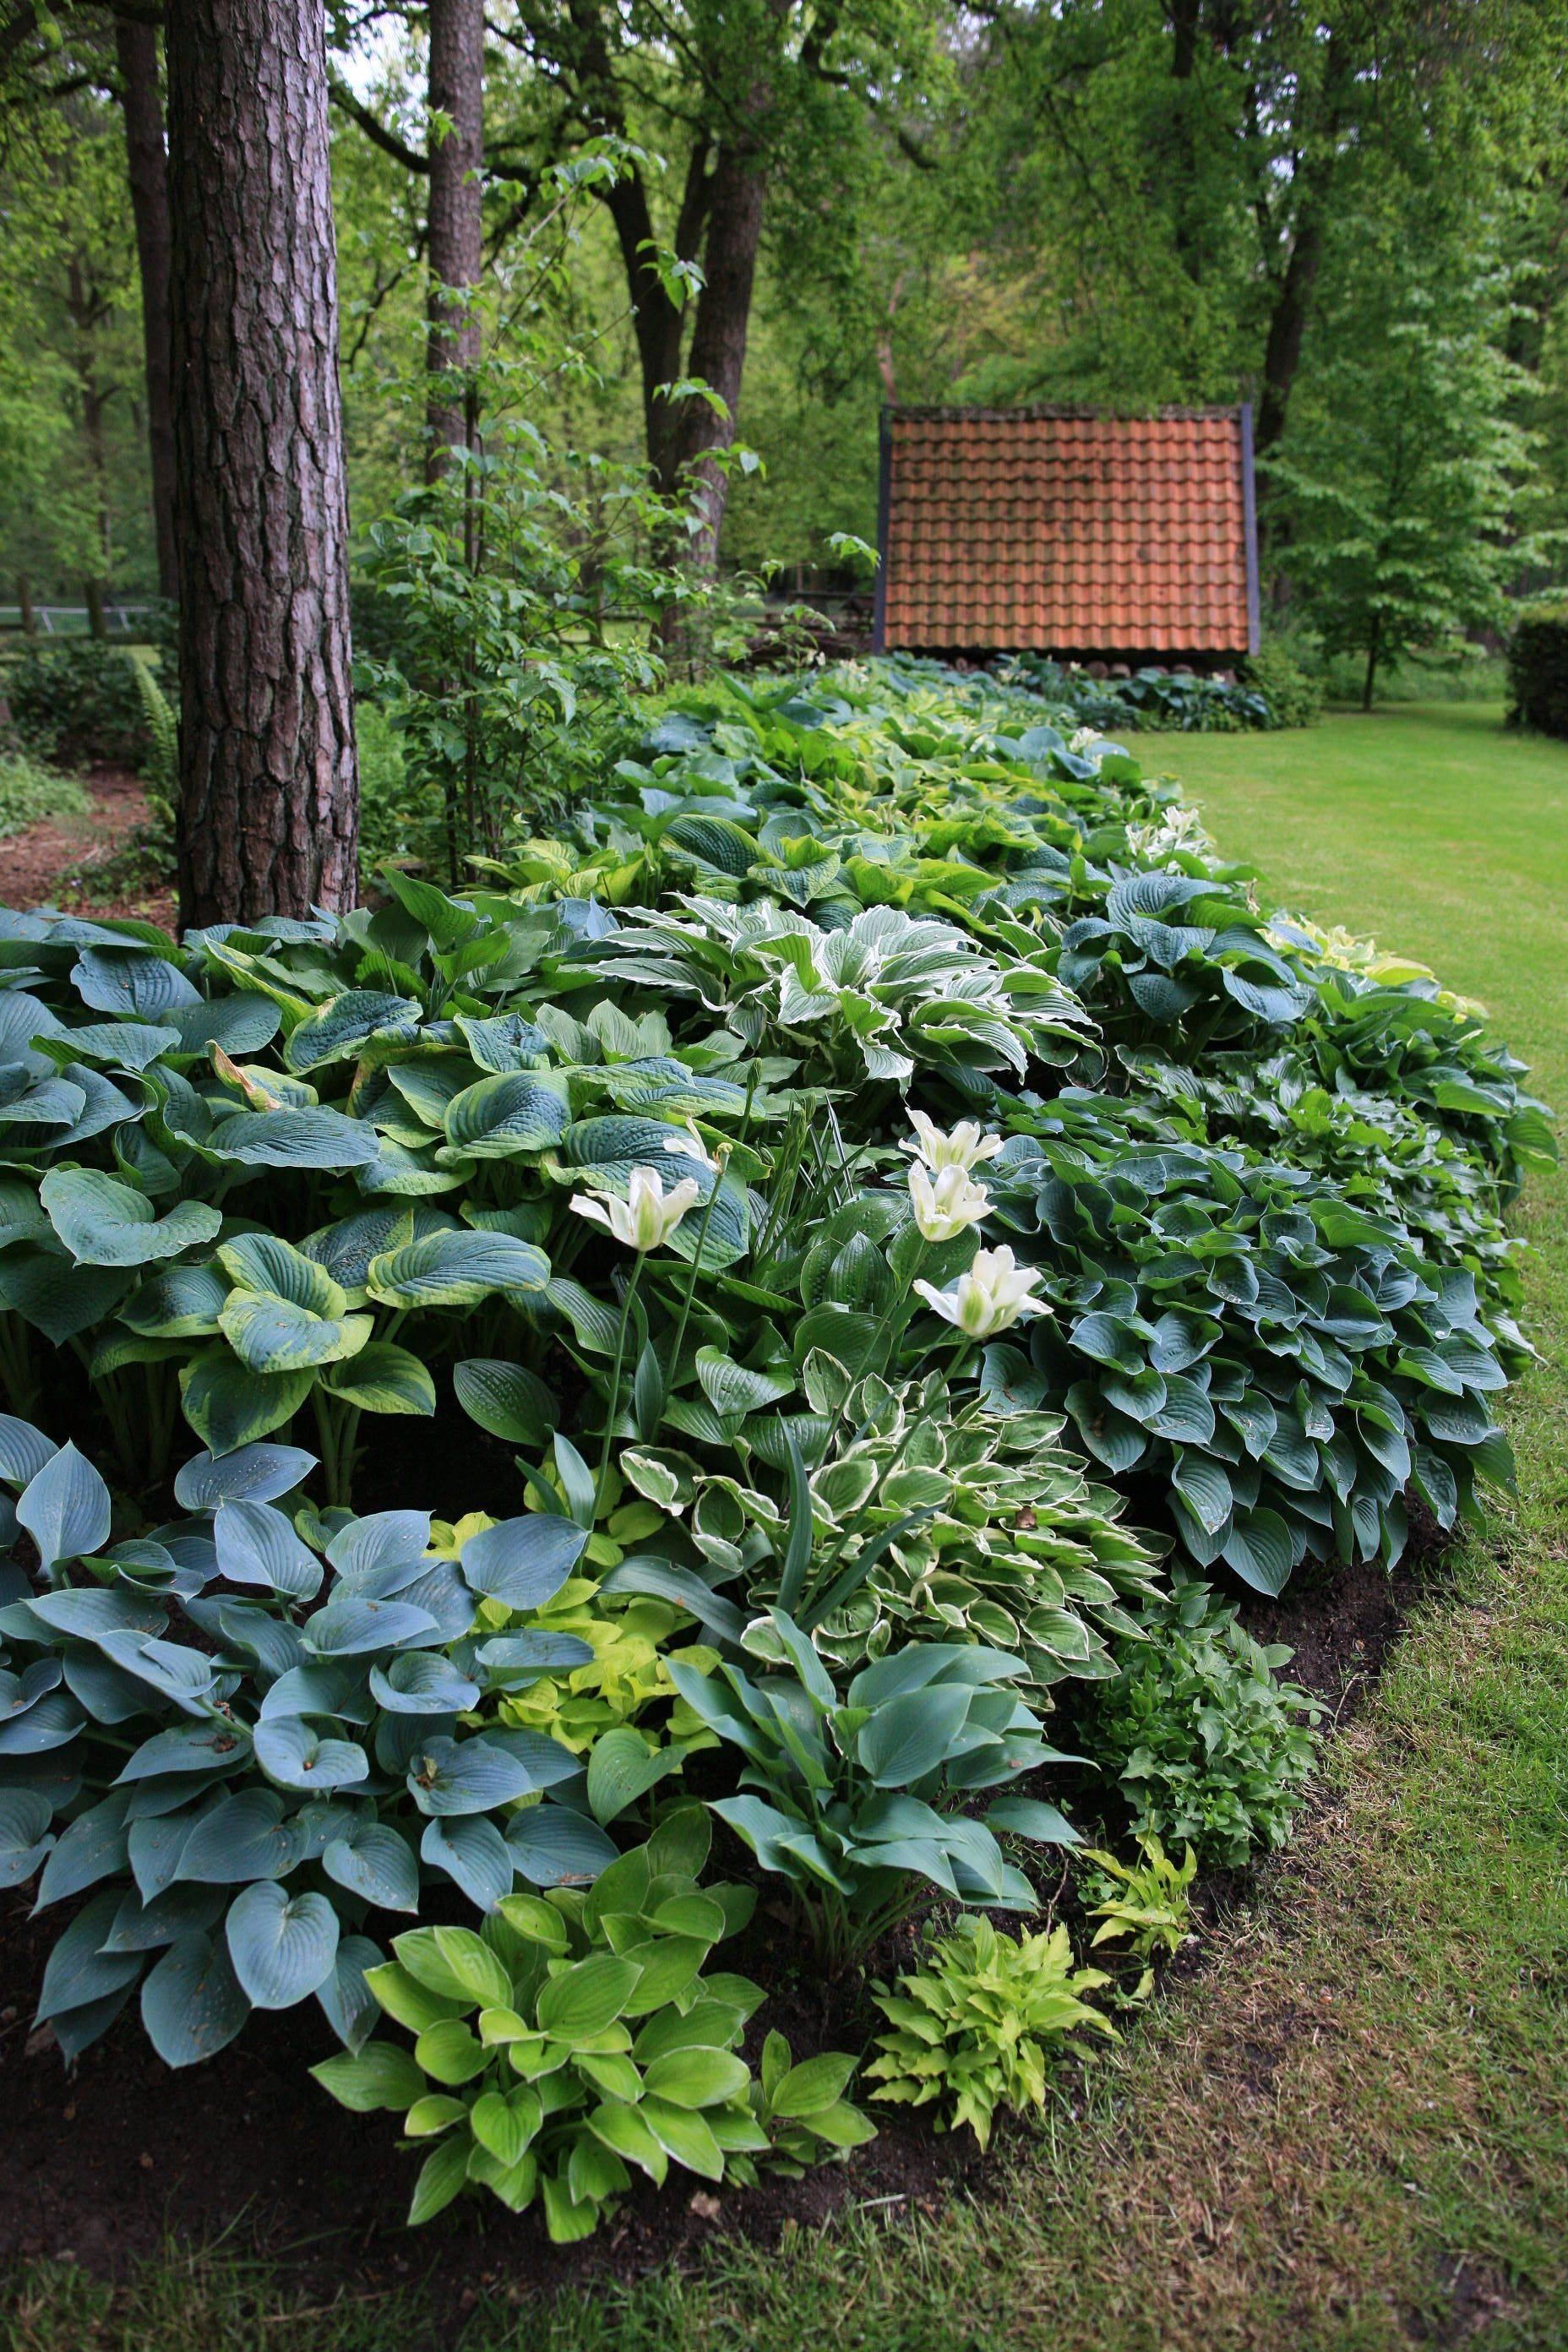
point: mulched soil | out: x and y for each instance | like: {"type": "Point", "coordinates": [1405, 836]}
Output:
{"type": "Point", "coordinates": [33, 862]}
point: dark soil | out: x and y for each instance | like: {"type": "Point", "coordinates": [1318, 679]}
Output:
{"type": "Point", "coordinates": [33, 863]}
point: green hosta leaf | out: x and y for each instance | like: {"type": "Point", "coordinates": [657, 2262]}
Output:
{"type": "Point", "coordinates": [293, 1139]}
{"type": "Point", "coordinates": [261, 1262]}
{"type": "Point", "coordinates": [283, 1946]}
{"type": "Point", "coordinates": [732, 1388]}
{"type": "Point", "coordinates": [384, 1378]}
{"type": "Point", "coordinates": [442, 2177]}
{"type": "Point", "coordinates": [380, 2075]}
{"type": "Point", "coordinates": [182, 1303]}
{"type": "Point", "coordinates": [907, 1736]}
{"type": "Point", "coordinates": [269, 1335]}
{"type": "Point", "coordinates": [125, 980]}
{"type": "Point", "coordinates": [586, 1997]}
{"type": "Point", "coordinates": [509, 1116]}
{"type": "Point", "coordinates": [57, 1296]}
{"type": "Point", "coordinates": [104, 1223]}
{"type": "Point", "coordinates": [1258, 1548]}
{"type": "Point", "coordinates": [344, 1027]}
{"type": "Point", "coordinates": [697, 2078]}
{"type": "Point", "coordinates": [457, 1269]}
{"type": "Point", "coordinates": [507, 1400]}
{"type": "Point", "coordinates": [622, 1768]}
{"type": "Point", "coordinates": [228, 1405]}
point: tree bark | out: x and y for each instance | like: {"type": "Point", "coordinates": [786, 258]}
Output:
{"type": "Point", "coordinates": [268, 798]}
{"type": "Point", "coordinates": [456, 221]}
{"type": "Point", "coordinates": [136, 51]}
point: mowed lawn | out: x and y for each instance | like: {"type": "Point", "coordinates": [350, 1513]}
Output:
{"type": "Point", "coordinates": [1353, 2131]}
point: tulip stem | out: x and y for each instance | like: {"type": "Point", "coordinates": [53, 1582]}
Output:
{"type": "Point", "coordinates": [612, 1408]}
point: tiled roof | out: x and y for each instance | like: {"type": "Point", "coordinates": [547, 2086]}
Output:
{"type": "Point", "coordinates": [1067, 531]}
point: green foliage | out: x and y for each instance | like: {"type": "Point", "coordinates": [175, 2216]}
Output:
{"type": "Point", "coordinates": [1538, 670]}
{"type": "Point", "coordinates": [79, 700]}
{"type": "Point", "coordinates": [31, 793]}
{"type": "Point", "coordinates": [1210, 1748]}
{"type": "Point", "coordinates": [400, 822]}
{"type": "Point", "coordinates": [981, 2022]}
{"type": "Point", "coordinates": [578, 2034]}
{"type": "Point", "coordinates": [1292, 692]}
{"type": "Point", "coordinates": [1178, 701]}
{"type": "Point", "coordinates": [1145, 1904]}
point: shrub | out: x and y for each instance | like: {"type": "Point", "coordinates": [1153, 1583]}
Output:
{"type": "Point", "coordinates": [1178, 700]}
{"type": "Point", "coordinates": [1294, 694]}
{"type": "Point", "coordinates": [32, 794]}
{"type": "Point", "coordinates": [981, 2022]}
{"type": "Point", "coordinates": [1538, 670]}
{"type": "Point", "coordinates": [596, 2042]}
{"type": "Point", "coordinates": [77, 702]}
{"type": "Point", "coordinates": [1209, 1747]}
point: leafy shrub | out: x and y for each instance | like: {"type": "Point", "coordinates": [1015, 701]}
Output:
{"type": "Point", "coordinates": [1293, 693]}
{"type": "Point", "coordinates": [78, 700]}
{"type": "Point", "coordinates": [1538, 670]}
{"type": "Point", "coordinates": [981, 2022]}
{"type": "Point", "coordinates": [32, 794]}
{"type": "Point", "coordinates": [598, 2042]}
{"type": "Point", "coordinates": [401, 822]}
{"type": "Point", "coordinates": [1176, 699]}
{"type": "Point", "coordinates": [1209, 1747]}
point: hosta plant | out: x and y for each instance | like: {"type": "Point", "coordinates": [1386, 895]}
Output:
{"type": "Point", "coordinates": [1144, 1905]}
{"type": "Point", "coordinates": [854, 1799]}
{"type": "Point", "coordinates": [981, 2022]}
{"type": "Point", "coordinates": [245, 1739]}
{"type": "Point", "coordinates": [579, 2034]}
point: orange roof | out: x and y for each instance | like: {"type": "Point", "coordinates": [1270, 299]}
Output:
{"type": "Point", "coordinates": [1067, 531]}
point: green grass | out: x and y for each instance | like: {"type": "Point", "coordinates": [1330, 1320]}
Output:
{"type": "Point", "coordinates": [1351, 2132]}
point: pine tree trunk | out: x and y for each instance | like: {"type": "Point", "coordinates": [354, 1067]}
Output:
{"type": "Point", "coordinates": [136, 51]}
{"type": "Point", "coordinates": [456, 220]}
{"type": "Point", "coordinates": [268, 799]}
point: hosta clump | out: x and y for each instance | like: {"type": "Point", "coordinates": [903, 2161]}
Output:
{"type": "Point", "coordinates": [243, 1737]}
{"type": "Point", "coordinates": [1143, 1906]}
{"type": "Point", "coordinates": [579, 2033]}
{"type": "Point", "coordinates": [1210, 1749]}
{"type": "Point", "coordinates": [854, 1799]}
{"type": "Point", "coordinates": [995, 1534]}
{"type": "Point", "coordinates": [980, 2023]}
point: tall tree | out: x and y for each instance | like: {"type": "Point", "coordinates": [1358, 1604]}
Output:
{"type": "Point", "coordinates": [455, 247]}
{"type": "Point", "coordinates": [136, 57]}
{"type": "Point", "coordinates": [268, 798]}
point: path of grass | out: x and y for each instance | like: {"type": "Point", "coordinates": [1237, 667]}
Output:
{"type": "Point", "coordinates": [1353, 2132]}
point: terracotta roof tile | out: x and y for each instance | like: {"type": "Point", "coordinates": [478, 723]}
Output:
{"type": "Point", "coordinates": [1067, 530]}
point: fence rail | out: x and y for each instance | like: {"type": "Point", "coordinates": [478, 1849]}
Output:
{"type": "Point", "coordinates": [71, 620]}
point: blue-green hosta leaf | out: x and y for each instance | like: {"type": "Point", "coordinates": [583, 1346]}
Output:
{"type": "Point", "coordinates": [240, 1024]}
{"type": "Point", "coordinates": [257, 1545]}
{"type": "Point", "coordinates": [79, 1973]}
{"type": "Point", "coordinates": [293, 1139]}
{"type": "Point", "coordinates": [193, 2004]}
{"type": "Point", "coordinates": [552, 1845]}
{"type": "Point", "coordinates": [230, 1406]}
{"type": "Point", "coordinates": [25, 1834]}
{"type": "Point", "coordinates": [509, 1117]}
{"type": "Point", "coordinates": [350, 2007]}
{"type": "Point", "coordinates": [244, 1836]}
{"type": "Point", "coordinates": [342, 1028]}
{"type": "Point", "coordinates": [186, 1676]}
{"type": "Point", "coordinates": [126, 980]}
{"type": "Point", "coordinates": [65, 1508]}
{"type": "Point", "coordinates": [104, 1223]}
{"type": "Point", "coordinates": [1204, 1487]}
{"type": "Point", "coordinates": [469, 1776]}
{"type": "Point", "coordinates": [383, 1378]}
{"type": "Point", "coordinates": [94, 1847]}
{"type": "Point", "coordinates": [151, 1926]}
{"type": "Point", "coordinates": [129, 1046]}
{"type": "Point", "coordinates": [190, 1748]}
{"type": "Point", "coordinates": [423, 1682]}
{"type": "Point", "coordinates": [382, 1540]}
{"type": "Point", "coordinates": [1259, 1549]}
{"type": "Point", "coordinates": [352, 1626]}
{"type": "Point", "coordinates": [523, 1561]}
{"type": "Point", "coordinates": [24, 1450]}
{"type": "Point", "coordinates": [374, 1861]}
{"type": "Point", "coordinates": [183, 1302]}
{"type": "Point", "coordinates": [732, 1388]}
{"type": "Point", "coordinates": [282, 1947]}
{"type": "Point", "coordinates": [505, 1042]}
{"type": "Point", "coordinates": [270, 1335]}
{"type": "Point", "coordinates": [622, 1768]}
{"type": "Point", "coordinates": [506, 1398]}
{"type": "Point", "coordinates": [56, 1296]}
{"type": "Point", "coordinates": [457, 1269]}
{"type": "Point", "coordinates": [510, 1658]}
{"type": "Point", "coordinates": [48, 1721]}
{"type": "Point", "coordinates": [345, 1249]}
{"type": "Point", "coordinates": [255, 1474]}
{"type": "Point", "coordinates": [471, 1851]}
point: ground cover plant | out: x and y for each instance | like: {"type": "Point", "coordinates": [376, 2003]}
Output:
{"type": "Point", "coordinates": [898, 1205]}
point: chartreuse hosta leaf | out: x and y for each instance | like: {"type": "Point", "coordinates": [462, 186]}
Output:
{"type": "Point", "coordinates": [580, 2041]}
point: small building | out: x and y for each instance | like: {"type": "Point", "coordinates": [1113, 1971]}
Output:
{"type": "Point", "coordinates": [1076, 532]}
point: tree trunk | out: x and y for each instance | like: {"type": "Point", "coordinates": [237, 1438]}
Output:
{"type": "Point", "coordinates": [92, 596]}
{"type": "Point", "coordinates": [690, 436]}
{"type": "Point", "coordinates": [1373, 647]}
{"type": "Point", "coordinates": [268, 798]}
{"type": "Point", "coordinates": [136, 51]}
{"type": "Point", "coordinates": [456, 221]}
{"type": "Point", "coordinates": [25, 605]}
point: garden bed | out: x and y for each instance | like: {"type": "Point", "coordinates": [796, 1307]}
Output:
{"type": "Point", "coordinates": [643, 1213]}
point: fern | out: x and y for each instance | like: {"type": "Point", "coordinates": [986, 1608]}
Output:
{"type": "Point", "coordinates": [163, 758]}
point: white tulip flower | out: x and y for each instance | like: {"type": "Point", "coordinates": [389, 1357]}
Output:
{"type": "Point", "coordinates": [946, 1202]}
{"type": "Point", "coordinates": [990, 1297]}
{"type": "Point", "coordinates": [964, 1148]}
{"type": "Point", "coordinates": [648, 1216]}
